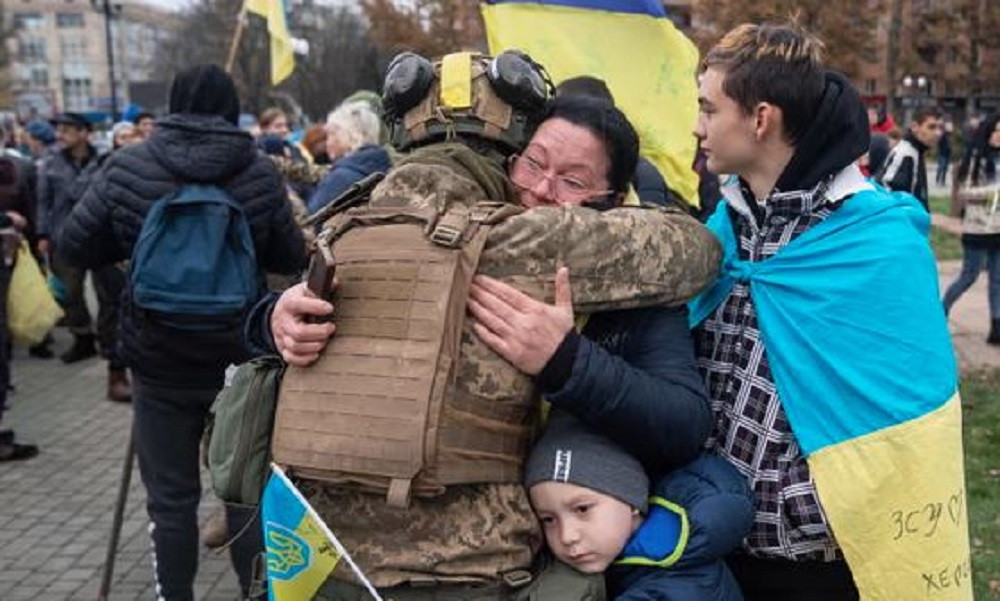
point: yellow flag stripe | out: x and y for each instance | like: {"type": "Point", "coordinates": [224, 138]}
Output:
{"type": "Point", "coordinates": [896, 503]}
{"type": "Point", "coordinates": [282, 57]}
{"type": "Point", "coordinates": [647, 63]}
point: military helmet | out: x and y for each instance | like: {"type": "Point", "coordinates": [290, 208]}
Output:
{"type": "Point", "coordinates": [500, 99]}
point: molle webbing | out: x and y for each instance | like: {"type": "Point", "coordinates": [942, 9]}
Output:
{"type": "Point", "coordinates": [389, 406]}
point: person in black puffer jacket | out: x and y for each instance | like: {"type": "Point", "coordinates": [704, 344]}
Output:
{"type": "Point", "coordinates": [178, 373]}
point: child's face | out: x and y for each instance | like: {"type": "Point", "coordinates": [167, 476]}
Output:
{"type": "Point", "coordinates": [585, 529]}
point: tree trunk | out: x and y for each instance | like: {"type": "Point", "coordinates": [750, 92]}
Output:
{"type": "Point", "coordinates": [892, 54]}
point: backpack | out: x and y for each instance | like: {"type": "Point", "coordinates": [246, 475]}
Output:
{"type": "Point", "coordinates": [194, 266]}
{"type": "Point", "coordinates": [239, 431]}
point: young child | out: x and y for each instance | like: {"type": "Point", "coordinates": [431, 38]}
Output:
{"type": "Point", "coordinates": [593, 501]}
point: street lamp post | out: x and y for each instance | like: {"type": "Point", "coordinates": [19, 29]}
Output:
{"type": "Point", "coordinates": [915, 87]}
{"type": "Point", "coordinates": [109, 8]}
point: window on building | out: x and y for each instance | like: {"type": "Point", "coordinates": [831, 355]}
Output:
{"type": "Point", "coordinates": [31, 49]}
{"type": "Point", "coordinates": [73, 48]}
{"type": "Point", "coordinates": [65, 20]}
{"type": "Point", "coordinates": [39, 77]}
{"type": "Point", "coordinates": [870, 84]}
{"type": "Point", "coordinates": [76, 94]}
{"type": "Point", "coordinates": [28, 21]}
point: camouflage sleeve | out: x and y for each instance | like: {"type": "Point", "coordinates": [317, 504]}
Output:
{"type": "Point", "coordinates": [623, 258]}
{"type": "Point", "coordinates": [299, 172]}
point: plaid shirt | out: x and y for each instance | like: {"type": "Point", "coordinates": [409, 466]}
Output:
{"type": "Point", "coordinates": [751, 429]}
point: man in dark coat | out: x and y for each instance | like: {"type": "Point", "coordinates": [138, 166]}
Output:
{"type": "Point", "coordinates": [57, 194]}
{"type": "Point", "coordinates": [178, 372]}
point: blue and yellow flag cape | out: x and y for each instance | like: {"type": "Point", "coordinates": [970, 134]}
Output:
{"type": "Point", "coordinates": [863, 363]}
{"type": "Point", "coordinates": [647, 63]}
{"type": "Point", "coordinates": [282, 57]}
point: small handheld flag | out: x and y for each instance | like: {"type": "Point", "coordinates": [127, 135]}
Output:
{"type": "Point", "coordinates": [301, 549]}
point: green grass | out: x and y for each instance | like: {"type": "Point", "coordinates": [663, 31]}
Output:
{"type": "Point", "coordinates": [981, 397]}
{"type": "Point", "coordinates": [940, 204]}
{"type": "Point", "coordinates": [947, 246]}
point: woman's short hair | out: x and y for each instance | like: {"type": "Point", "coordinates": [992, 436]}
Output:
{"type": "Point", "coordinates": [978, 167]}
{"type": "Point", "coordinates": [355, 123]}
{"type": "Point", "coordinates": [611, 127]}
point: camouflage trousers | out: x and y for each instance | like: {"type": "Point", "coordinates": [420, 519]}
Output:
{"type": "Point", "coordinates": [556, 582]}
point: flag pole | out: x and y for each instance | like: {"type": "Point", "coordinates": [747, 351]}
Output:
{"type": "Point", "coordinates": [237, 36]}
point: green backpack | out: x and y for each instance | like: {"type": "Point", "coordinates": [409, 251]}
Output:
{"type": "Point", "coordinates": [239, 431]}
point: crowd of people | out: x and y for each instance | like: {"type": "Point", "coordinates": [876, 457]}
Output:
{"type": "Point", "coordinates": [689, 475]}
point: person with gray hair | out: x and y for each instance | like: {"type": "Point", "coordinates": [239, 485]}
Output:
{"type": "Point", "coordinates": [352, 142]}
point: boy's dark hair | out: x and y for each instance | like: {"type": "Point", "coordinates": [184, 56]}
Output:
{"type": "Point", "coordinates": [585, 85]}
{"type": "Point", "coordinates": [926, 112]}
{"type": "Point", "coordinates": [270, 115]}
{"type": "Point", "coordinates": [141, 116]}
{"type": "Point", "coordinates": [778, 64]}
{"type": "Point", "coordinates": [982, 159]}
{"type": "Point", "coordinates": [611, 127]}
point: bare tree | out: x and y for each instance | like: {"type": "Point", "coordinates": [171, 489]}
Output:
{"type": "Point", "coordinates": [341, 57]}
{"type": "Point", "coordinates": [430, 27]}
{"type": "Point", "coordinates": [847, 28]}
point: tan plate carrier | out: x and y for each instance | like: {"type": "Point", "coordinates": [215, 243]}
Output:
{"type": "Point", "coordinates": [405, 399]}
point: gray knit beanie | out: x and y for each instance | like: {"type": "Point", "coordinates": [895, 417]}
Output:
{"type": "Point", "coordinates": [570, 451]}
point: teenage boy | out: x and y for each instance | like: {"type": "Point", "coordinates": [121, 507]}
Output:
{"type": "Point", "coordinates": [823, 344]}
{"type": "Point", "coordinates": [905, 169]}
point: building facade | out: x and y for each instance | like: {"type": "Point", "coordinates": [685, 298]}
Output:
{"type": "Point", "coordinates": [59, 54]}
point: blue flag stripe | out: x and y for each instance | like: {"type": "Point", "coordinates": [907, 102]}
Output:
{"type": "Point", "coordinates": [635, 7]}
{"type": "Point", "coordinates": [862, 280]}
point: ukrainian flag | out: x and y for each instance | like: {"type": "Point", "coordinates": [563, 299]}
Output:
{"type": "Point", "coordinates": [862, 359]}
{"type": "Point", "coordinates": [647, 63]}
{"type": "Point", "coordinates": [300, 554]}
{"type": "Point", "coordinates": [282, 58]}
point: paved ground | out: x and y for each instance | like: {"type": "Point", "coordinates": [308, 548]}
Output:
{"type": "Point", "coordinates": [969, 322]}
{"type": "Point", "coordinates": [55, 510]}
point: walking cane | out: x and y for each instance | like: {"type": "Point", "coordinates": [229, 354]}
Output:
{"type": "Point", "coordinates": [116, 523]}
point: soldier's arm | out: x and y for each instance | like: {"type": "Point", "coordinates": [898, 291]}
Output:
{"type": "Point", "coordinates": [621, 258]}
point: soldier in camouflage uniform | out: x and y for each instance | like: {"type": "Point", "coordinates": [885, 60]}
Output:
{"type": "Point", "coordinates": [631, 371]}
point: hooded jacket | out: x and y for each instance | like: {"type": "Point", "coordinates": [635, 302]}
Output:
{"type": "Point", "coordinates": [836, 137]}
{"type": "Point", "coordinates": [57, 177]}
{"type": "Point", "coordinates": [731, 348]}
{"type": "Point", "coordinates": [198, 143]}
{"type": "Point", "coordinates": [717, 512]}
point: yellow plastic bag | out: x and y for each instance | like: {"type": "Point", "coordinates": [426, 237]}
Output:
{"type": "Point", "coordinates": [31, 309]}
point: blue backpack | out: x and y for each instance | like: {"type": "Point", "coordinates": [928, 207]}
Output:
{"type": "Point", "coordinates": [194, 266]}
